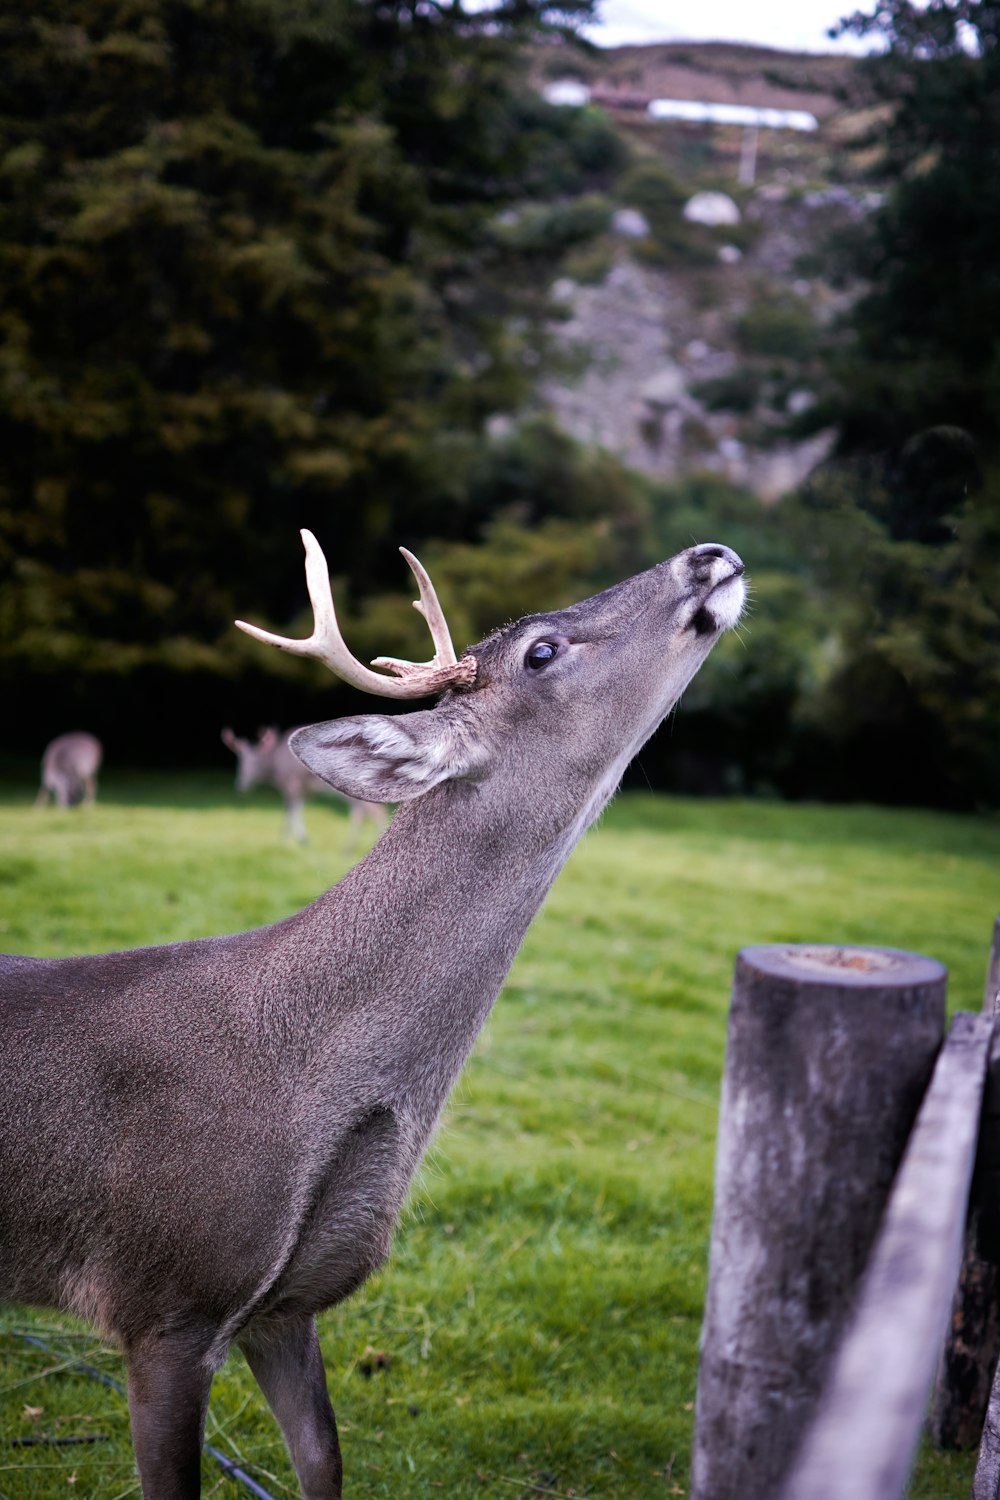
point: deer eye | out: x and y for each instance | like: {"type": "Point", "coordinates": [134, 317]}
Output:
{"type": "Point", "coordinates": [540, 654]}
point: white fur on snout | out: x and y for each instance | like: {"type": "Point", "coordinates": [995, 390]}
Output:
{"type": "Point", "coordinates": [725, 602]}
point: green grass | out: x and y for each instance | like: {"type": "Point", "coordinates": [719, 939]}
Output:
{"type": "Point", "coordinates": [538, 1321]}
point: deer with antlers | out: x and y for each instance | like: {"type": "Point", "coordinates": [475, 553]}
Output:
{"type": "Point", "coordinates": [203, 1145]}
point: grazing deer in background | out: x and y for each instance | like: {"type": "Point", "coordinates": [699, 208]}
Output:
{"type": "Point", "coordinates": [270, 762]}
{"type": "Point", "coordinates": [69, 770]}
{"type": "Point", "coordinates": [205, 1144]}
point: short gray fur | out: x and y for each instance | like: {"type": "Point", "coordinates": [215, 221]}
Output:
{"type": "Point", "coordinates": [203, 1145]}
{"type": "Point", "coordinates": [70, 764]}
{"type": "Point", "coordinates": [829, 1052]}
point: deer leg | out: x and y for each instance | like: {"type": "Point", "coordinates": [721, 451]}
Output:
{"type": "Point", "coordinates": [168, 1386]}
{"type": "Point", "coordinates": [355, 821]}
{"type": "Point", "coordinates": [297, 822]}
{"type": "Point", "coordinates": [288, 1367]}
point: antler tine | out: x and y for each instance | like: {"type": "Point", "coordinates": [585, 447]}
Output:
{"type": "Point", "coordinates": [444, 667]}
{"type": "Point", "coordinates": [326, 642]}
{"type": "Point", "coordinates": [429, 606]}
{"type": "Point", "coordinates": [412, 679]}
{"type": "Point", "coordinates": [320, 594]}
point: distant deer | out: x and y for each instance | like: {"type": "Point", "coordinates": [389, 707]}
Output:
{"type": "Point", "coordinates": [205, 1144]}
{"type": "Point", "coordinates": [69, 770]}
{"type": "Point", "coordinates": [270, 762]}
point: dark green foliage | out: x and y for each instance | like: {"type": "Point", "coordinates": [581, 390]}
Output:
{"type": "Point", "coordinates": [738, 391]}
{"type": "Point", "coordinates": [652, 188]}
{"type": "Point", "coordinates": [927, 336]}
{"type": "Point", "coordinates": [543, 227]}
{"type": "Point", "coordinates": [558, 145]}
{"type": "Point", "coordinates": [740, 726]}
{"type": "Point", "coordinates": [779, 327]}
{"type": "Point", "coordinates": [554, 523]}
{"type": "Point", "coordinates": [911, 703]}
{"type": "Point", "coordinates": [868, 665]}
{"type": "Point", "coordinates": [267, 265]}
{"type": "Point", "coordinates": [903, 531]}
{"type": "Point", "coordinates": [251, 278]}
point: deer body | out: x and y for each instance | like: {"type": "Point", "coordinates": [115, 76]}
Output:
{"type": "Point", "coordinates": [207, 1143]}
{"type": "Point", "coordinates": [271, 762]}
{"type": "Point", "coordinates": [70, 764]}
{"type": "Point", "coordinates": [377, 1050]}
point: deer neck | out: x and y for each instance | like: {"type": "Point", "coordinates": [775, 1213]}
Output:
{"type": "Point", "coordinates": [451, 873]}
{"type": "Point", "coordinates": [408, 953]}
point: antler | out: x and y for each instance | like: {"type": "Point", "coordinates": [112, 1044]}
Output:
{"type": "Point", "coordinates": [412, 679]}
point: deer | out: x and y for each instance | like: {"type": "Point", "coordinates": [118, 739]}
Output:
{"type": "Point", "coordinates": [271, 762]}
{"type": "Point", "coordinates": [204, 1145]}
{"type": "Point", "coordinates": [70, 764]}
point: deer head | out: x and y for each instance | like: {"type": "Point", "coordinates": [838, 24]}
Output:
{"type": "Point", "coordinates": [541, 709]}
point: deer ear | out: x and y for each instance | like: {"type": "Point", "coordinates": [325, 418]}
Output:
{"type": "Point", "coordinates": [378, 758]}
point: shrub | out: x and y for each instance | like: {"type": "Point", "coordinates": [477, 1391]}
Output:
{"type": "Point", "coordinates": [778, 328]}
{"type": "Point", "coordinates": [738, 391]}
{"type": "Point", "coordinates": [653, 189]}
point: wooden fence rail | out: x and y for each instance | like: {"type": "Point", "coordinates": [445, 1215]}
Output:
{"type": "Point", "coordinates": [864, 1439]}
{"type": "Point", "coordinates": [848, 1140]}
{"type": "Point", "coordinates": [970, 1353]}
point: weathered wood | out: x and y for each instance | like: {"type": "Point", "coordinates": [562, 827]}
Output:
{"type": "Point", "coordinates": [986, 1482]}
{"type": "Point", "coordinates": [991, 995]}
{"type": "Point", "coordinates": [829, 1053]}
{"type": "Point", "coordinates": [862, 1444]}
{"type": "Point", "coordinates": [962, 1388]}
{"type": "Point", "coordinates": [986, 1187]}
{"type": "Point", "coordinates": [969, 1359]}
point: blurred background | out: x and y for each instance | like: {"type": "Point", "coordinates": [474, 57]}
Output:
{"type": "Point", "coordinates": [545, 292]}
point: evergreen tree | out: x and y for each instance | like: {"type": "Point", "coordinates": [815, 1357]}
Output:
{"type": "Point", "coordinates": [253, 275]}
{"type": "Point", "coordinates": [903, 531]}
{"type": "Point", "coordinates": [927, 336]}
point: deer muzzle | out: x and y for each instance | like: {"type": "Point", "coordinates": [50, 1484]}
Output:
{"type": "Point", "coordinates": [717, 575]}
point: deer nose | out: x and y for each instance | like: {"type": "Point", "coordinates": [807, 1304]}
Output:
{"type": "Point", "coordinates": [712, 563]}
{"type": "Point", "coordinates": [716, 549]}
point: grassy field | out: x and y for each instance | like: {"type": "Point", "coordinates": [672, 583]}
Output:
{"type": "Point", "coordinates": [535, 1331]}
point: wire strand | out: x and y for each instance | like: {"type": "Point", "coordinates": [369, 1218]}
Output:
{"type": "Point", "coordinates": [227, 1465]}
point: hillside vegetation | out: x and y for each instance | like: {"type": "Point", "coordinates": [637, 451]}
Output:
{"type": "Point", "coordinates": [366, 279]}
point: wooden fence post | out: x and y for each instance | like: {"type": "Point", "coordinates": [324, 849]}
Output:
{"type": "Point", "coordinates": [986, 1485]}
{"type": "Point", "coordinates": [829, 1052]}
{"type": "Point", "coordinates": [962, 1389]}
{"type": "Point", "coordinates": [863, 1440]}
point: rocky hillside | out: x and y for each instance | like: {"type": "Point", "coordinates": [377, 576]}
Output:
{"type": "Point", "coordinates": [719, 72]}
{"type": "Point", "coordinates": [692, 329]}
